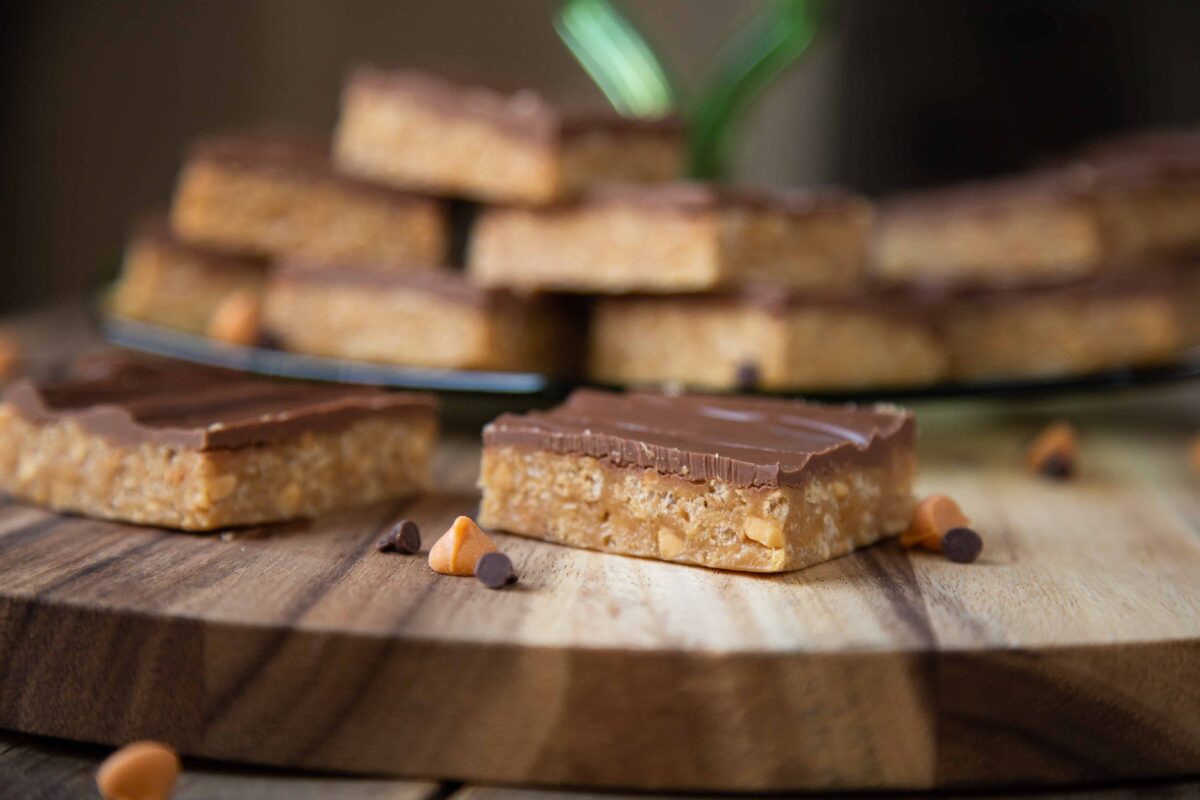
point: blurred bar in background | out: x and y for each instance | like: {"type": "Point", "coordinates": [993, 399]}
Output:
{"type": "Point", "coordinates": [100, 98]}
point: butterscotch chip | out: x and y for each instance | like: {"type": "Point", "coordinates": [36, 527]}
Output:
{"type": "Point", "coordinates": [10, 355]}
{"type": "Point", "coordinates": [752, 484]}
{"type": "Point", "coordinates": [196, 448]}
{"type": "Point", "coordinates": [435, 319]}
{"type": "Point", "coordinates": [279, 196]}
{"type": "Point", "coordinates": [931, 519]}
{"type": "Point", "coordinates": [139, 771]}
{"type": "Point", "coordinates": [681, 237]}
{"type": "Point", "coordinates": [166, 281]}
{"type": "Point", "coordinates": [237, 319]}
{"type": "Point", "coordinates": [763, 339]}
{"type": "Point", "coordinates": [1055, 451]}
{"type": "Point", "coordinates": [477, 139]}
{"type": "Point", "coordinates": [460, 548]}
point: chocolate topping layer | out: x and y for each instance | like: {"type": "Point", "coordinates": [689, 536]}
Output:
{"type": "Point", "coordinates": [518, 110]}
{"type": "Point", "coordinates": [738, 440]}
{"type": "Point", "coordinates": [198, 408]}
{"type": "Point", "coordinates": [1048, 185]}
{"type": "Point", "coordinates": [447, 284]}
{"type": "Point", "coordinates": [1117, 281]}
{"type": "Point", "coordinates": [288, 153]}
{"type": "Point", "coordinates": [154, 229]}
{"type": "Point", "coordinates": [699, 197]}
{"type": "Point", "coordinates": [1143, 158]}
{"type": "Point", "coordinates": [889, 301]}
{"type": "Point", "coordinates": [1124, 162]}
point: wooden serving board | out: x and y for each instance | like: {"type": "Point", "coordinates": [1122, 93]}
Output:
{"type": "Point", "coordinates": [1070, 652]}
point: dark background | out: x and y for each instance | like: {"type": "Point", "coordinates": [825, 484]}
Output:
{"type": "Point", "coordinates": [99, 96]}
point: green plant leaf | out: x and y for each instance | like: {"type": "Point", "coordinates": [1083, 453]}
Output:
{"type": "Point", "coordinates": [617, 57]}
{"type": "Point", "coordinates": [769, 43]}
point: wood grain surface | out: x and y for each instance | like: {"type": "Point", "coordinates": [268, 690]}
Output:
{"type": "Point", "coordinates": [1070, 652]}
{"type": "Point", "coordinates": [1153, 791]}
{"type": "Point", "coordinates": [35, 768]}
{"type": "Point", "coordinates": [39, 769]}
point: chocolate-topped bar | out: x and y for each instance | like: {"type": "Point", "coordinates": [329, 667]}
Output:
{"type": "Point", "coordinates": [751, 484]}
{"type": "Point", "coordinates": [1114, 203]}
{"type": "Point", "coordinates": [1144, 157]}
{"type": "Point", "coordinates": [278, 194]}
{"type": "Point", "coordinates": [433, 318]}
{"type": "Point", "coordinates": [167, 281]}
{"type": "Point", "coordinates": [481, 139]}
{"type": "Point", "coordinates": [680, 237]}
{"type": "Point", "coordinates": [764, 338]}
{"type": "Point", "coordinates": [196, 448]}
{"type": "Point", "coordinates": [1137, 314]}
{"type": "Point", "coordinates": [1147, 194]}
{"type": "Point", "coordinates": [1033, 227]}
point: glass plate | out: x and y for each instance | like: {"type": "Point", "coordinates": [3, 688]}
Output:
{"type": "Point", "coordinates": [162, 341]}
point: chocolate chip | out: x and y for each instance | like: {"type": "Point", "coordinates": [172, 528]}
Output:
{"type": "Point", "coordinates": [1057, 467]}
{"type": "Point", "coordinates": [962, 545]}
{"type": "Point", "coordinates": [747, 376]}
{"type": "Point", "coordinates": [269, 341]}
{"type": "Point", "coordinates": [406, 537]}
{"type": "Point", "coordinates": [495, 570]}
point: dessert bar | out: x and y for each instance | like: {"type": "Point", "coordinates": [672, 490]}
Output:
{"type": "Point", "coordinates": [1148, 193]}
{"type": "Point", "coordinates": [278, 195]}
{"type": "Point", "coordinates": [764, 339]}
{"type": "Point", "coordinates": [424, 319]}
{"type": "Point", "coordinates": [474, 139]}
{"type": "Point", "coordinates": [1039, 226]}
{"type": "Point", "coordinates": [1118, 203]}
{"type": "Point", "coordinates": [198, 449]}
{"type": "Point", "coordinates": [750, 484]}
{"type": "Point", "coordinates": [676, 238]}
{"type": "Point", "coordinates": [167, 281]}
{"type": "Point", "coordinates": [1130, 317]}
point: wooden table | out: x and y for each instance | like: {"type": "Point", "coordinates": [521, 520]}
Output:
{"type": "Point", "coordinates": [33, 768]}
{"type": "Point", "coordinates": [1087, 603]}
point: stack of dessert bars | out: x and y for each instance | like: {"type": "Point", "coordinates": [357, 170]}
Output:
{"type": "Point", "coordinates": [587, 254]}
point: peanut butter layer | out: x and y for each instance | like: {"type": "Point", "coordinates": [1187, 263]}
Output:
{"type": "Point", "coordinates": [200, 449]}
{"type": "Point", "coordinates": [731, 483]}
{"type": "Point", "coordinates": [435, 318]}
{"type": "Point", "coordinates": [279, 195]}
{"type": "Point", "coordinates": [774, 340]}
{"type": "Point", "coordinates": [676, 238]}
{"type": "Point", "coordinates": [481, 140]}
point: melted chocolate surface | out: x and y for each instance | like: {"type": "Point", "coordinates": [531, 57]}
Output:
{"type": "Point", "coordinates": [288, 153]}
{"type": "Point", "coordinates": [740, 440]}
{"type": "Point", "coordinates": [448, 284]}
{"type": "Point", "coordinates": [517, 109]}
{"type": "Point", "coordinates": [199, 408]}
